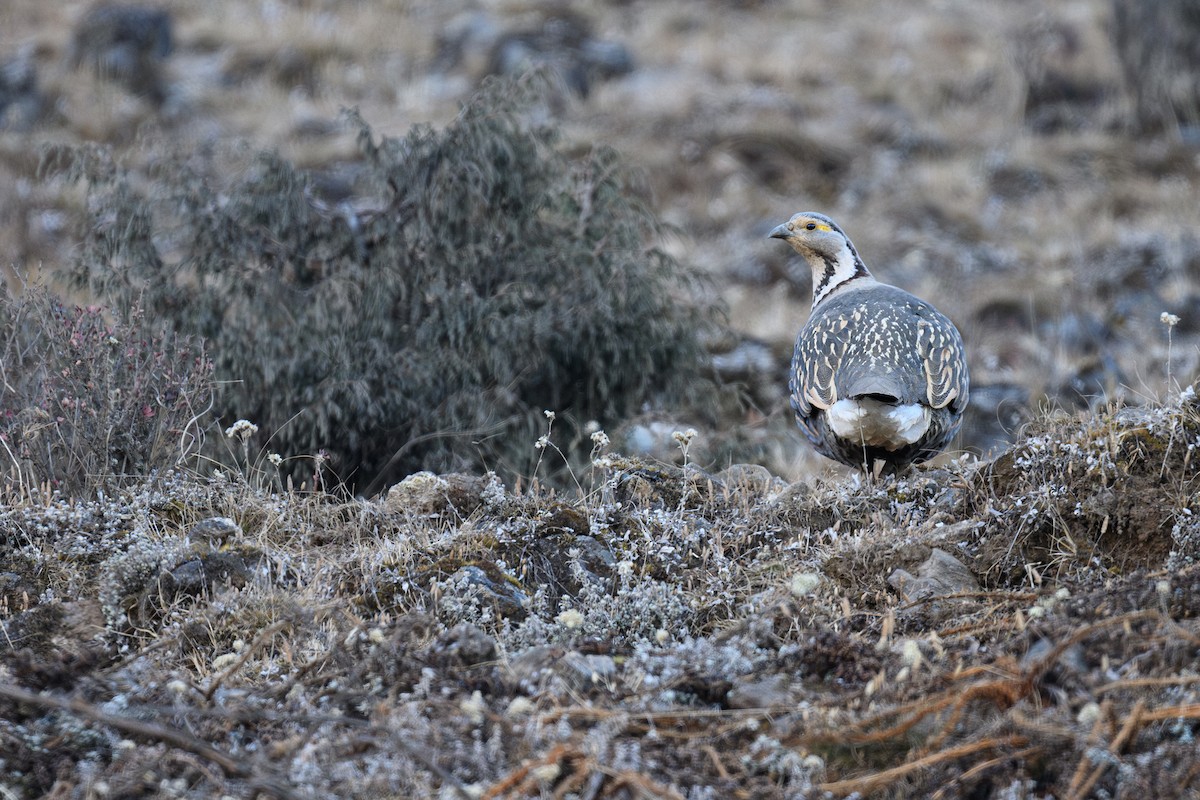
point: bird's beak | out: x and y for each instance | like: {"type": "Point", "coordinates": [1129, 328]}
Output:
{"type": "Point", "coordinates": [780, 232]}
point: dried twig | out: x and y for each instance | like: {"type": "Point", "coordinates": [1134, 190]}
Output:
{"type": "Point", "coordinates": [984, 766]}
{"type": "Point", "coordinates": [1189, 711]}
{"type": "Point", "coordinates": [521, 776]}
{"type": "Point", "coordinates": [715, 757]}
{"type": "Point", "coordinates": [1115, 746]}
{"type": "Point", "coordinates": [267, 784]}
{"type": "Point", "coordinates": [266, 633]}
{"type": "Point", "coordinates": [870, 783]}
{"type": "Point", "coordinates": [1093, 737]}
{"type": "Point", "coordinates": [643, 786]}
{"type": "Point", "coordinates": [1135, 683]}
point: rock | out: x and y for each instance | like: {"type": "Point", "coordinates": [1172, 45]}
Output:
{"type": "Point", "coordinates": [758, 692]}
{"type": "Point", "coordinates": [21, 104]}
{"type": "Point", "coordinates": [941, 574]}
{"type": "Point", "coordinates": [533, 667]}
{"type": "Point", "coordinates": [419, 493]}
{"type": "Point", "coordinates": [469, 644]}
{"type": "Point", "coordinates": [215, 531]}
{"type": "Point", "coordinates": [127, 44]}
{"type": "Point", "coordinates": [555, 568]}
{"type": "Point", "coordinates": [750, 480]}
{"type": "Point", "coordinates": [636, 481]}
{"type": "Point", "coordinates": [503, 594]}
{"type": "Point", "coordinates": [1071, 660]}
{"type": "Point", "coordinates": [582, 671]}
{"type": "Point", "coordinates": [425, 493]}
{"type": "Point", "coordinates": [560, 43]}
{"type": "Point", "coordinates": [200, 575]}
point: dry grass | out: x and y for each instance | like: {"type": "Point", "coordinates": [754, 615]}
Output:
{"type": "Point", "coordinates": [661, 632]}
{"type": "Point", "coordinates": [669, 633]}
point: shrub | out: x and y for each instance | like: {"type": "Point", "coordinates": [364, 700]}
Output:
{"type": "Point", "coordinates": [490, 277]}
{"type": "Point", "coordinates": [88, 403]}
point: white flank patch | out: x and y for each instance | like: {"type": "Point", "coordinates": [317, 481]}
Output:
{"type": "Point", "coordinates": [878, 424]}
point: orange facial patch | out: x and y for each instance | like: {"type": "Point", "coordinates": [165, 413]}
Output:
{"type": "Point", "coordinates": [804, 223]}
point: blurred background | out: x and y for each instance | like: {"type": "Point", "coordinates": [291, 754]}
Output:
{"type": "Point", "coordinates": [1033, 169]}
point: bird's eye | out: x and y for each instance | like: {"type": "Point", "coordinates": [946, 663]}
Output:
{"type": "Point", "coordinates": [812, 226]}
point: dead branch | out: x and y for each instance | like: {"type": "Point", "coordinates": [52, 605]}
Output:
{"type": "Point", "coordinates": [1118, 743]}
{"type": "Point", "coordinates": [871, 783]}
{"type": "Point", "coordinates": [266, 784]}
{"type": "Point", "coordinates": [267, 633]}
{"type": "Point", "coordinates": [1093, 737]}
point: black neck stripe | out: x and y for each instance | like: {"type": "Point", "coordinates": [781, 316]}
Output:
{"type": "Point", "coordinates": [830, 270]}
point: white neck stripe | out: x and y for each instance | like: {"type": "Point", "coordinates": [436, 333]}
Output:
{"type": "Point", "coordinates": [830, 273]}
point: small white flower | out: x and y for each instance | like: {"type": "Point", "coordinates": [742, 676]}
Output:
{"type": "Point", "coordinates": [549, 414]}
{"type": "Point", "coordinates": [519, 707]}
{"type": "Point", "coordinates": [275, 458]}
{"type": "Point", "coordinates": [600, 439]}
{"type": "Point", "coordinates": [570, 618]}
{"type": "Point", "coordinates": [803, 584]}
{"type": "Point", "coordinates": [224, 660]}
{"type": "Point", "coordinates": [1169, 319]}
{"type": "Point", "coordinates": [1088, 715]}
{"type": "Point", "coordinates": [910, 653]}
{"type": "Point", "coordinates": [684, 438]}
{"type": "Point", "coordinates": [542, 442]}
{"type": "Point", "coordinates": [242, 429]}
{"type": "Point", "coordinates": [546, 773]}
{"type": "Point", "coordinates": [474, 707]}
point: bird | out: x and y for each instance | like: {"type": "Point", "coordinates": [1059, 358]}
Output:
{"type": "Point", "coordinates": [879, 377]}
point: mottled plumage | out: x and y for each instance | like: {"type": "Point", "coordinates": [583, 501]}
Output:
{"type": "Point", "coordinates": [879, 377]}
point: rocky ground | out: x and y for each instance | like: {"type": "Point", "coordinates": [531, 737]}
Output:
{"type": "Point", "coordinates": [1022, 625]}
{"type": "Point", "coordinates": [1024, 628]}
{"type": "Point", "coordinates": [989, 157]}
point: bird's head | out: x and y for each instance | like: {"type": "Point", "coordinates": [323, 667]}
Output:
{"type": "Point", "coordinates": [827, 249]}
{"type": "Point", "coordinates": [810, 233]}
